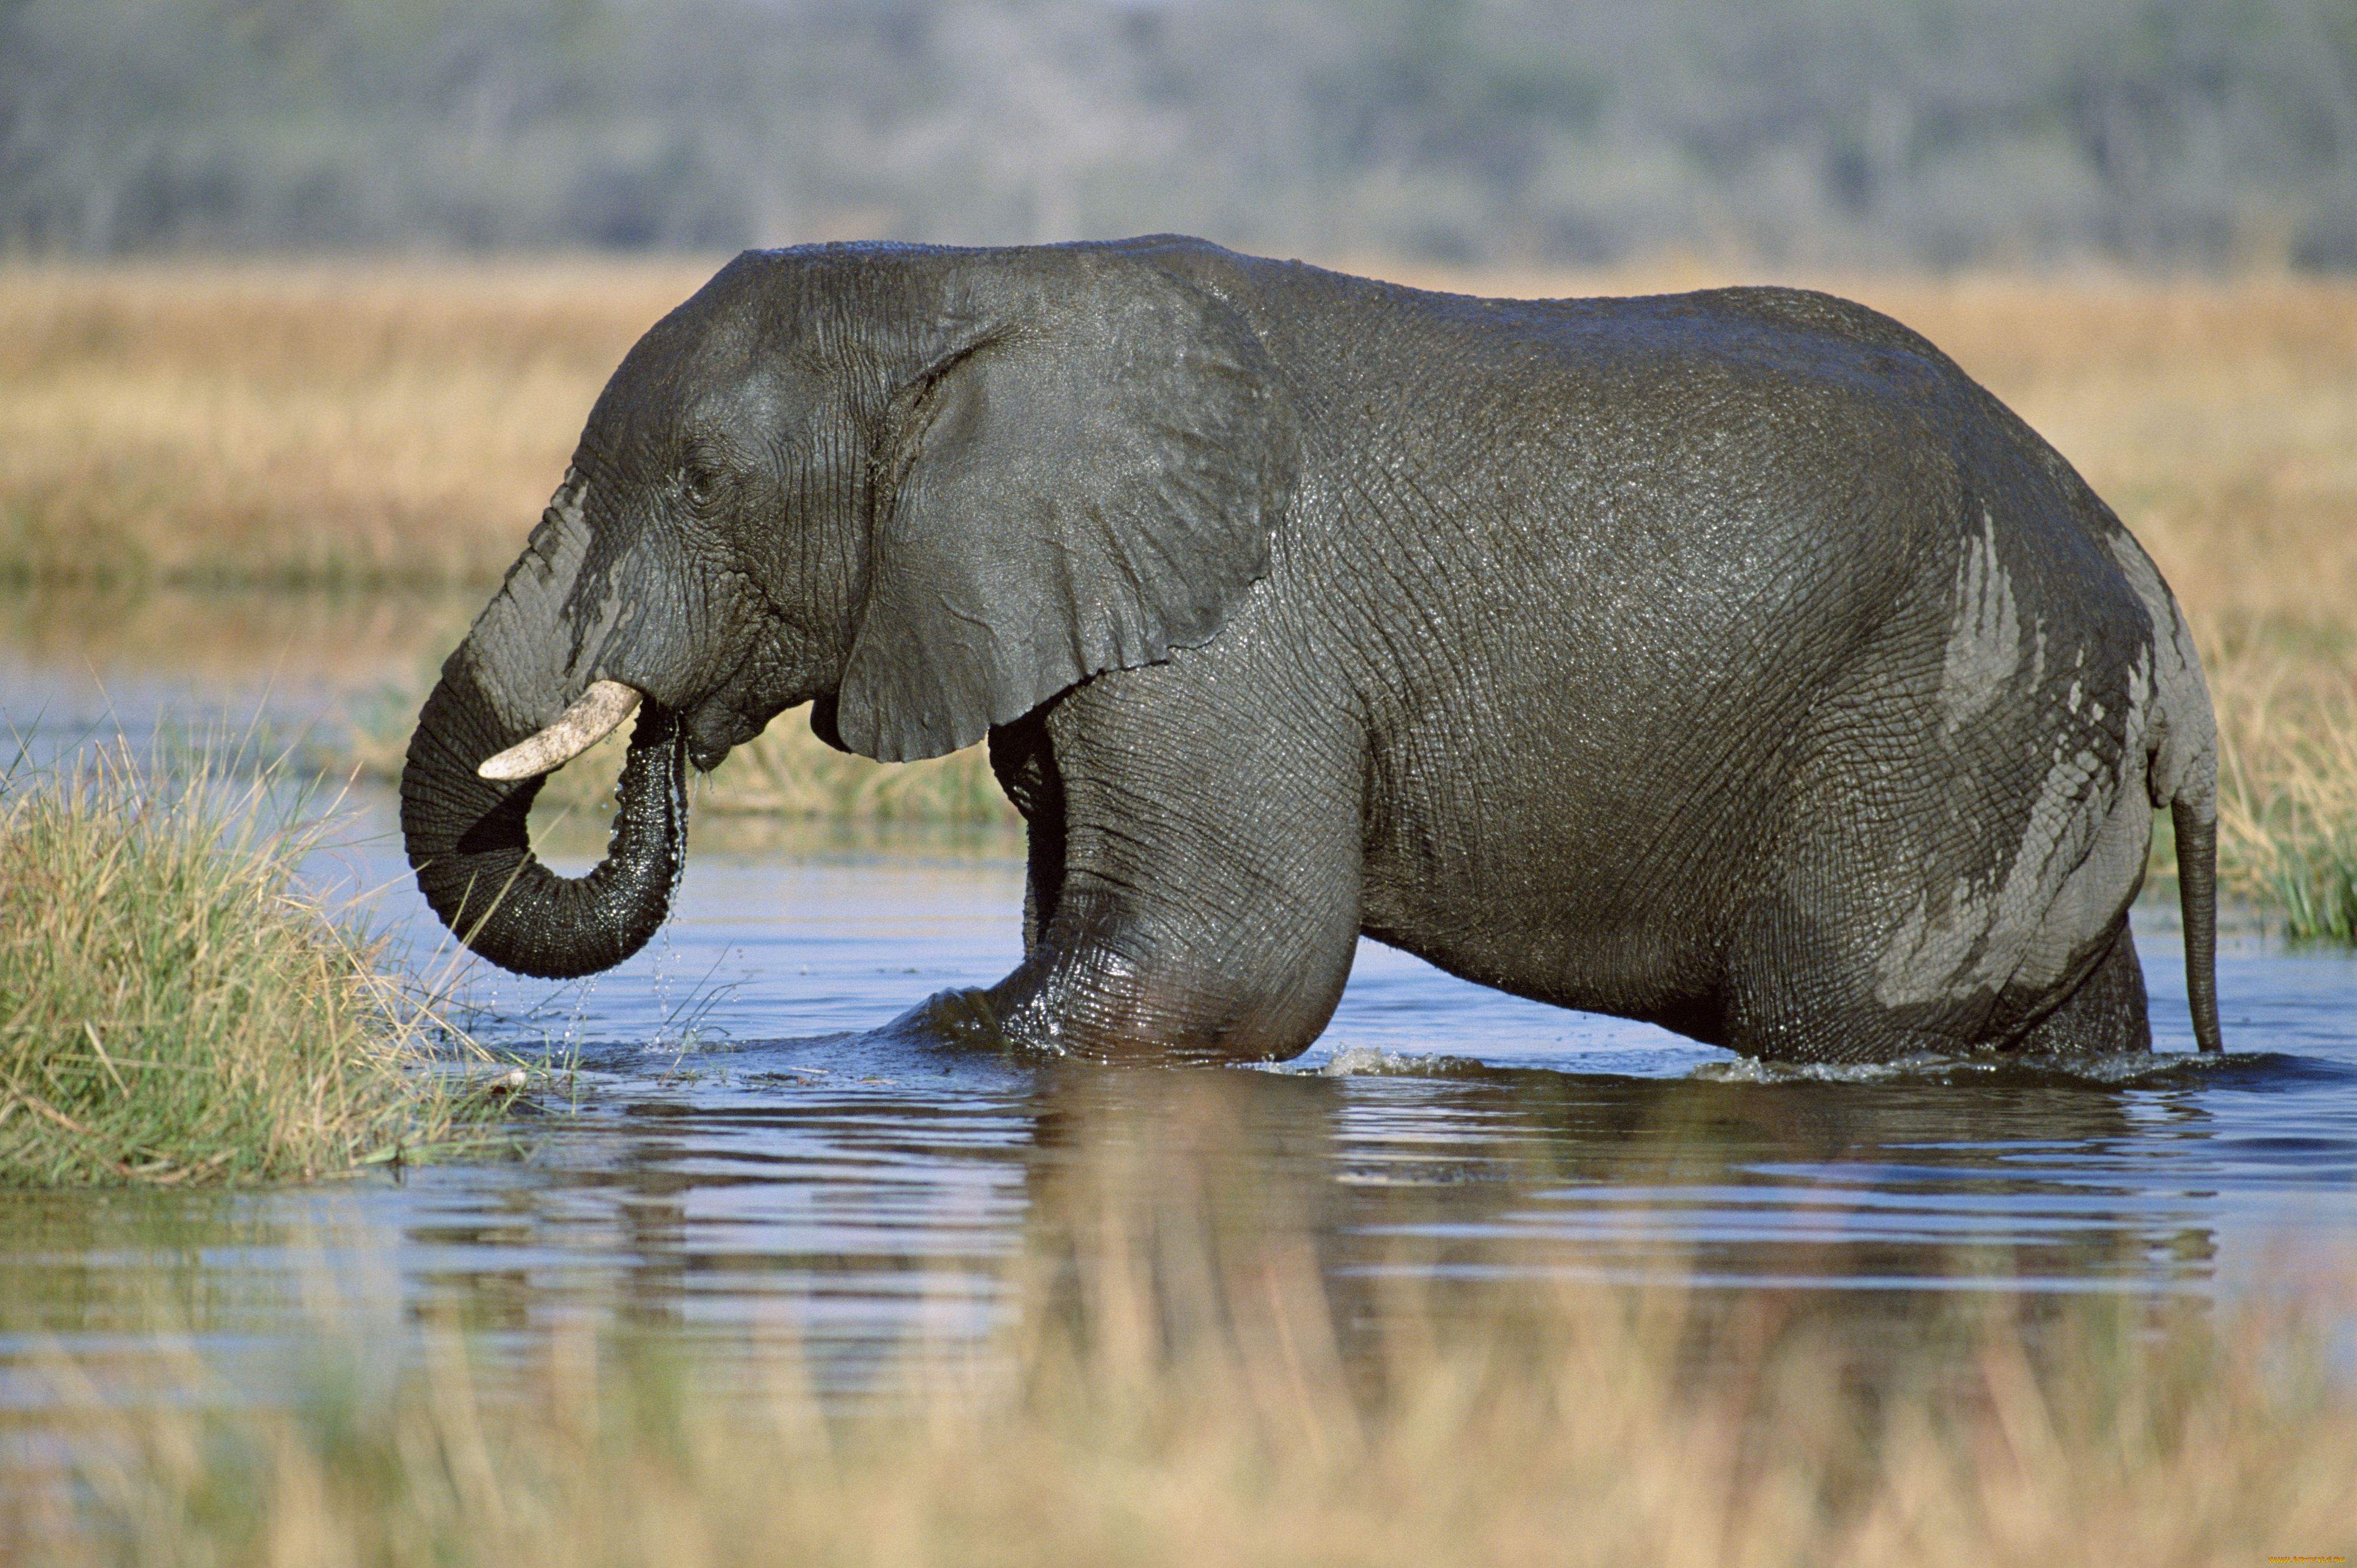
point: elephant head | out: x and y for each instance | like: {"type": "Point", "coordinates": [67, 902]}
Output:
{"type": "Point", "coordinates": [923, 489]}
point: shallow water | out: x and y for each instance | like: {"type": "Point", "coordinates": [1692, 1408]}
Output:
{"type": "Point", "coordinates": [721, 1146]}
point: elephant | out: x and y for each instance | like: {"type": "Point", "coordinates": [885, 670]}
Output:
{"type": "Point", "coordinates": [1728, 660]}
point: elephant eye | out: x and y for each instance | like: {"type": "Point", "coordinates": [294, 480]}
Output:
{"type": "Point", "coordinates": [699, 484]}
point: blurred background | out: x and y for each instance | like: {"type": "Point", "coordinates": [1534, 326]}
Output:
{"type": "Point", "coordinates": [2211, 134]}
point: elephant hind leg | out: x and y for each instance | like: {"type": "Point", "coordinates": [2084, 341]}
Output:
{"type": "Point", "coordinates": [2106, 1014]}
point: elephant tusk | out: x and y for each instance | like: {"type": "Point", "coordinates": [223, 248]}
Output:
{"type": "Point", "coordinates": [589, 720]}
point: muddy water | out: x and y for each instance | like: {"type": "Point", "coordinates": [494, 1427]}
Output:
{"type": "Point", "coordinates": [726, 1136]}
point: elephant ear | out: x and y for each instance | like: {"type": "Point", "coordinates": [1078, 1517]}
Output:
{"type": "Point", "coordinates": [1085, 475]}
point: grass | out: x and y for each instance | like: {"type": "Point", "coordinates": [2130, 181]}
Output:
{"type": "Point", "coordinates": [789, 771]}
{"type": "Point", "coordinates": [298, 426]}
{"type": "Point", "coordinates": [1174, 1380]}
{"type": "Point", "coordinates": [2287, 808]}
{"type": "Point", "coordinates": [376, 424]}
{"type": "Point", "coordinates": [173, 1009]}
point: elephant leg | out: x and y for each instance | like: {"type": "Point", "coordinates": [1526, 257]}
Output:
{"type": "Point", "coordinates": [1922, 890]}
{"type": "Point", "coordinates": [1803, 996]}
{"type": "Point", "coordinates": [2105, 1014]}
{"type": "Point", "coordinates": [1797, 995]}
{"type": "Point", "coordinates": [1205, 902]}
{"type": "Point", "coordinates": [1840, 955]}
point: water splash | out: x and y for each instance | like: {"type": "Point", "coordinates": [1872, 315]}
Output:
{"type": "Point", "coordinates": [1371, 1061]}
{"type": "Point", "coordinates": [2121, 1070]}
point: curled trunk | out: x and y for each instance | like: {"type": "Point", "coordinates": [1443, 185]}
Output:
{"type": "Point", "coordinates": [467, 840]}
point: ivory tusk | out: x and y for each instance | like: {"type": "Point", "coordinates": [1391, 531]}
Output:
{"type": "Point", "coordinates": [591, 719]}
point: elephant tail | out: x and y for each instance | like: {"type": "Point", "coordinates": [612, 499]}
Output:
{"type": "Point", "coordinates": [2196, 821]}
{"type": "Point", "coordinates": [2183, 773]}
{"type": "Point", "coordinates": [2183, 776]}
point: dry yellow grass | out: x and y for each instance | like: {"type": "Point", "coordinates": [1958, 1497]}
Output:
{"type": "Point", "coordinates": [1175, 1381]}
{"type": "Point", "coordinates": [787, 771]}
{"type": "Point", "coordinates": [382, 423]}
{"type": "Point", "coordinates": [407, 422]}
{"type": "Point", "coordinates": [233, 639]}
{"type": "Point", "coordinates": [298, 424]}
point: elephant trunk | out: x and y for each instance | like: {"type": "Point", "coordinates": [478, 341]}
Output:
{"type": "Point", "coordinates": [467, 840]}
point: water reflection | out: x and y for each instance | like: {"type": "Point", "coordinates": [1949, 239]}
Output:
{"type": "Point", "coordinates": [866, 1189]}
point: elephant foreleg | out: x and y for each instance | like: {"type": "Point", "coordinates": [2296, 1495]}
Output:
{"type": "Point", "coordinates": [1205, 900]}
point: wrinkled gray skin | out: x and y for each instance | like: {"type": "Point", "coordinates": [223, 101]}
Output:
{"type": "Point", "coordinates": [1728, 659]}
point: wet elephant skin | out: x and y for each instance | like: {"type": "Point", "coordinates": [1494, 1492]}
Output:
{"type": "Point", "coordinates": [1729, 661]}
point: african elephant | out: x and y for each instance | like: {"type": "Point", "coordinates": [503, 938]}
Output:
{"type": "Point", "coordinates": [1727, 660]}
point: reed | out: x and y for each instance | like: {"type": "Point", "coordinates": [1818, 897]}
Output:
{"type": "Point", "coordinates": [1175, 1382]}
{"type": "Point", "coordinates": [2287, 806]}
{"type": "Point", "coordinates": [173, 1008]}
